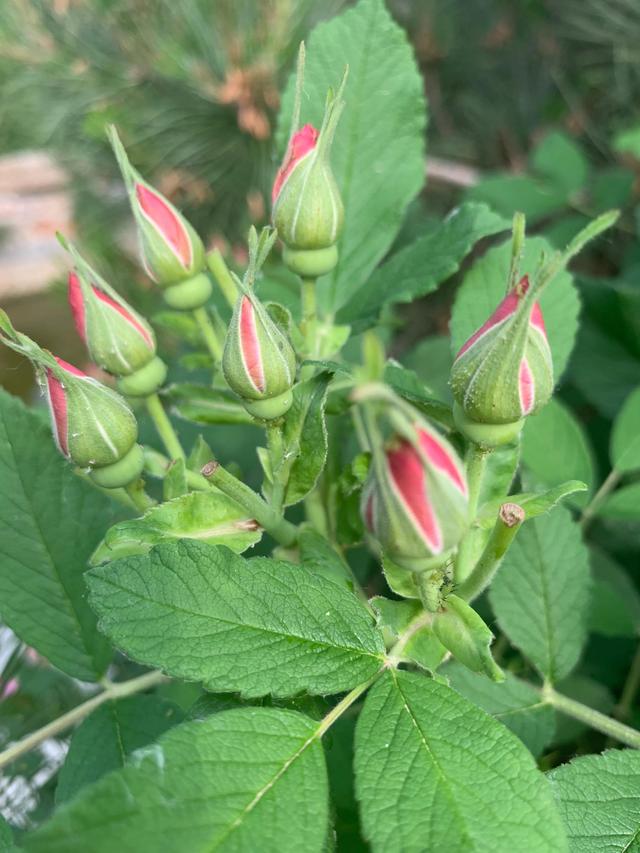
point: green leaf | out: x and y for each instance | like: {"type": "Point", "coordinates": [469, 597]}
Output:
{"type": "Point", "coordinates": [109, 735]}
{"type": "Point", "coordinates": [628, 141]}
{"type": "Point", "coordinates": [408, 385]}
{"type": "Point", "coordinates": [378, 153]}
{"type": "Point", "coordinates": [174, 484]}
{"type": "Point", "coordinates": [209, 517]}
{"type": "Point", "coordinates": [50, 522]}
{"type": "Point", "coordinates": [422, 266]}
{"type": "Point", "coordinates": [615, 605]}
{"type": "Point", "coordinates": [508, 193]}
{"type": "Point", "coordinates": [431, 360]}
{"type": "Point", "coordinates": [6, 837]}
{"type": "Point", "coordinates": [305, 436]}
{"type": "Point", "coordinates": [485, 285]}
{"type": "Point", "coordinates": [534, 504]}
{"type": "Point", "coordinates": [561, 160]}
{"type": "Point", "coordinates": [623, 504]}
{"type": "Point", "coordinates": [625, 439]}
{"type": "Point", "coordinates": [317, 555]}
{"type": "Point", "coordinates": [202, 404]}
{"type": "Point", "coordinates": [396, 617]}
{"type": "Point", "coordinates": [541, 595]}
{"type": "Point", "coordinates": [464, 632]}
{"type": "Point", "coordinates": [599, 801]}
{"type": "Point", "coordinates": [513, 702]}
{"type": "Point", "coordinates": [555, 448]}
{"type": "Point", "coordinates": [255, 626]}
{"type": "Point", "coordinates": [434, 772]}
{"type": "Point", "coordinates": [246, 779]}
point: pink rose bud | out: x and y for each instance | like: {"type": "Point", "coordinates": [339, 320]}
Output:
{"type": "Point", "coordinates": [307, 208]}
{"type": "Point", "coordinates": [9, 688]}
{"type": "Point", "coordinates": [258, 361]}
{"type": "Point", "coordinates": [171, 250]}
{"type": "Point", "coordinates": [504, 372]}
{"type": "Point", "coordinates": [415, 501]}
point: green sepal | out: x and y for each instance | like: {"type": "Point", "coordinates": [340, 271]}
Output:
{"type": "Point", "coordinates": [464, 633]}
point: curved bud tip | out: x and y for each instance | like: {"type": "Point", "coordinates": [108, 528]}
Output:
{"type": "Point", "coordinates": [162, 217]}
{"type": "Point", "coordinates": [301, 143]}
{"type": "Point", "coordinates": [76, 303]}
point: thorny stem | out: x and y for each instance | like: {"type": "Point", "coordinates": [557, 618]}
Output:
{"type": "Point", "coordinates": [600, 496]}
{"type": "Point", "coordinates": [272, 521]}
{"type": "Point", "coordinates": [164, 427]}
{"type": "Point", "coordinates": [593, 719]}
{"type": "Point", "coordinates": [209, 334]}
{"type": "Point", "coordinates": [56, 727]}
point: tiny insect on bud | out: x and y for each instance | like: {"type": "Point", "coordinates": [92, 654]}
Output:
{"type": "Point", "coordinates": [172, 252]}
{"type": "Point", "coordinates": [504, 372]}
{"type": "Point", "coordinates": [258, 362]}
{"type": "Point", "coordinates": [415, 501]}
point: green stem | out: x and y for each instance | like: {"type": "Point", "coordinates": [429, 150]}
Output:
{"type": "Point", "coordinates": [222, 275]}
{"type": "Point", "coordinates": [631, 686]}
{"type": "Point", "coordinates": [429, 585]}
{"type": "Point", "coordinates": [164, 427]}
{"type": "Point", "coordinates": [56, 727]}
{"type": "Point", "coordinates": [508, 523]}
{"type": "Point", "coordinates": [209, 334]}
{"type": "Point", "coordinates": [309, 314]}
{"type": "Point", "coordinates": [139, 497]}
{"type": "Point", "coordinates": [593, 719]}
{"type": "Point", "coordinates": [476, 465]}
{"type": "Point", "coordinates": [268, 518]}
{"type": "Point", "coordinates": [599, 498]}
{"type": "Point", "coordinates": [345, 704]}
{"type": "Point", "coordinates": [279, 471]}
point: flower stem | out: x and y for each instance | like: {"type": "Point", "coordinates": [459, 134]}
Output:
{"type": "Point", "coordinates": [476, 465]}
{"type": "Point", "coordinates": [598, 499]}
{"type": "Point", "coordinates": [164, 427]}
{"type": "Point", "coordinates": [309, 316]}
{"type": "Point", "coordinates": [278, 469]}
{"type": "Point", "coordinates": [139, 497]}
{"type": "Point", "coordinates": [593, 719]}
{"type": "Point", "coordinates": [223, 277]}
{"type": "Point", "coordinates": [56, 727]}
{"type": "Point", "coordinates": [508, 523]}
{"type": "Point", "coordinates": [631, 686]}
{"type": "Point", "coordinates": [272, 521]}
{"type": "Point", "coordinates": [209, 334]}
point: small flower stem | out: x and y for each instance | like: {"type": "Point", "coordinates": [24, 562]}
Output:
{"type": "Point", "coordinates": [209, 334]}
{"type": "Point", "coordinates": [56, 727]}
{"type": "Point", "coordinates": [599, 498]}
{"type": "Point", "coordinates": [279, 471]}
{"type": "Point", "coordinates": [344, 704]}
{"type": "Point", "coordinates": [593, 719]}
{"type": "Point", "coordinates": [508, 523]}
{"type": "Point", "coordinates": [164, 427]}
{"type": "Point", "coordinates": [222, 275]}
{"type": "Point", "coordinates": [272, 521]}
{"type": "Point", "coordinates": [139, 497]}
{"type": "Point", "coordinates": [309, 316]}
{"type": "Point", "coordinates": [631, 686]}
{"type": "Point", "coordinates": [476, 465]}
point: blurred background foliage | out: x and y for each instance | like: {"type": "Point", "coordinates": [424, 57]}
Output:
{"type": "Point", "coordinates": [533, 106]}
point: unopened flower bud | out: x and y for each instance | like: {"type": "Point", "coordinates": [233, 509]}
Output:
{"type": "Point", "coordinates": [119, 340]}
{"type": "Point", "coordinates": [307, 208]}
{"type": "Point", "coordinates": [258, 362]}
{"type": "Point", "coordinates": [172, 252]}
{"type": "Point", "coordinates": [505, 370]}
{"type": "Point", "coordinates": [92, 425]}
{"type": "Point", "coordinates": [415, 501]}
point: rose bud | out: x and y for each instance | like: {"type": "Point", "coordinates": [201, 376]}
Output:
{"type": "Point", "coordinates": [307, 208]}
{"type": "Point", "coordinates": [415, 500]}
{"type": "Point", "coordinates": [258, 361]}
{"type": "Point", "coordinates": [172, 253]}
{"type": "Point", "coordinates": [504, 372]}
{"type": "Point", "coordinates": [92, 425]}
{"type": "Point", "coordinates": [118, 339]}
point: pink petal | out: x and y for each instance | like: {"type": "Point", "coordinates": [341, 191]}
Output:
{"type": "Point", "coordinates": [301, 143]}
{"type": "Point", "coordinates": [76, 304]}
{"type": "Point", "coordinates": [505, 309]}
{"type": "Point", "coordinates": [440, 457]}
{"type": "Point", "coordinates": [537, 320]}
{"type": "Point", "coordinates": [408, 477]}
{"type": "Point", "coordinates": [527, 388]}
{"type": "Point", "coordinates": [162, 216]}
{"type": "Point", "coordinates": [250, 345]}
{"type": "Point", "coordinates": [104, 297]}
